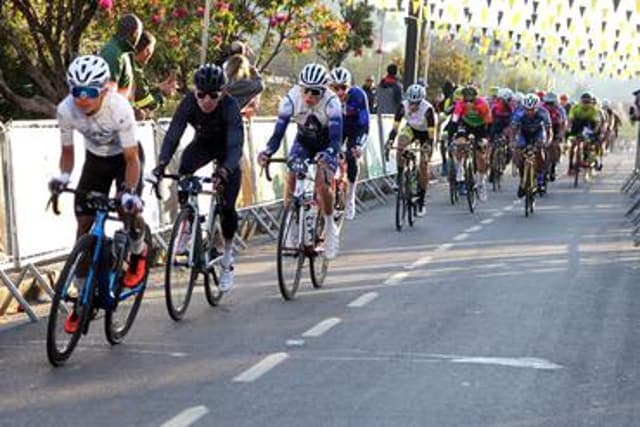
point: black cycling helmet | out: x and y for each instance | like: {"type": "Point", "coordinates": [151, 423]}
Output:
{"type": "Point", "coordinates": [586, 97]}
{"type": "Point", "coordinates": [209, 78]}
{"type": "Point", "coordinates": [469, 93]}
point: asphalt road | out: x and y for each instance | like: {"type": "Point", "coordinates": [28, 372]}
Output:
{"type": "Point", "coordinates": [465, 320]}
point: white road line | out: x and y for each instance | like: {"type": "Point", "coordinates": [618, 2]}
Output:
{"type": "Point", "coordinates": [421, 262]}
{"type": "Point", "coordinates": [459, 237]}
{"type": "Point", "coordinates": [295, 343]}
{"type": "Point", "coordinates": [473, 229]}
{"type": "Point", "coordinates": [363, 300]}
{"type": "Point", "coordinates": [261, 368]}
{"type": "Point", "coordinates": [508, 208]}
{"type": "Point", "coordinates": [187, 417]}
{"type": "Point", "coordinates": [322, 327]}
{"type": "Point", "coordinates": [486, 221]}
{"type": "Point", "coordinates": [396, 278]}
{"type": "Point", "coordinates": [517, 362]}
{"type": "Point", "coordinates": [498, 214]}
{"type": "Point", "coordinates": [444, 247]}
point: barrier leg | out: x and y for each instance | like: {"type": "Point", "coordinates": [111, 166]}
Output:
{"type": "Point", "coordinates": [16, 294]}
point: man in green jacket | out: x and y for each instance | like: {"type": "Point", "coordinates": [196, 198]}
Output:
{"type": "Point", "coordinates": [119, 52]}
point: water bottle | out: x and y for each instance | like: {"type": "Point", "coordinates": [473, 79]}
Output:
{"type": "Point", "coordinates": [310, 222]}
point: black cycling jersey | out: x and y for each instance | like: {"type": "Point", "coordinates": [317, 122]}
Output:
{"type": "Point", "coordinates": [221, 131]}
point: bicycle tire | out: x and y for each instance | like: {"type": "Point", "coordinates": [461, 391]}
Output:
{"type": "Point", "coordinates": [409, 203]}
{"type": "Point", "coordinates": [577, 160]}
{"type": "Point", "coordinates": [116, 334]}
{"type": "Point", "coordinates": [290, 218]}
{"type": "Point", "coordinates": [57, 357]}
{"type": "Point", "coordinates": [176, 306]}
{"type": "Point", "coordinates": [471, 190]}
{"type": "Point", "coordinates": [212, 291]}
{"type": "Point", "coordinates": [318, 263]}
{"type": "Point", "coordinates": [528, 185]}
{"type": "Point", "coordinates": [401, 208]}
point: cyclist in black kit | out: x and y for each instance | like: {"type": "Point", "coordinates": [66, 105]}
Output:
{"type": "Point", "coordinates": [219, 135]}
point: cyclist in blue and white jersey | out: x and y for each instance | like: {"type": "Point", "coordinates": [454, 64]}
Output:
{"type": "Point", "coordinates": [355, 132]}
{"type": "Point", "coordinates": [318, 113]}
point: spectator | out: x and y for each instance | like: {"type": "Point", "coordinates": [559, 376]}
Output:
{"type": "Point", "coordinates": [389, 93]}
{"type": "Point", "coordinates": [146, 98]}
{"type": "Point", "coordinates": [119, 52]}
{"type": "Point", "coordinates": [369, 88]}
{"type": "Point", "coordinates": [244, 83]}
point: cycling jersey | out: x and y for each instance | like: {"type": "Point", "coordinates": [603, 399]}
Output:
{"type": "Point", "coordinates": [106, 132]}
{"type": "Point", "coordinates": [532, 128]}
{"type": "Point", "coordinates": [582, 116]}
{"type": "Point", "coordinates": [473, 114]}
{"type": "Point", "coordinates": [356, 115]}
{"type": "Point", "coordinates": [319, 127]}
{"type": "Point", "coordinates": [421, 120]}
{"type": "Point", "coordinates": [221, 131]}
{"type": "Point", "coordinates": [501, 113]}
{"type": "Point", "coordinates": [556, 114]}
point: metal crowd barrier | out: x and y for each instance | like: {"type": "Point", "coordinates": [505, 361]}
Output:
{"type": "Point", "coordinates": [32, 239]}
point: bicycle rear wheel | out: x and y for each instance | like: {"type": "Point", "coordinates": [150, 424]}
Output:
{"type": "Point", "coordinates": [471, 188]}
{"type": "Point", "coordinates": [401, 205]}
{"type": "Point", "coordinates": [318, 263]}
{"type": "Point", "coordinates": [529, 184]}
{"type": "Point", "coordinates": [289, 259]}
{"type": "Point", "coordinates": [409, 195]}
{"type": "Point", "coordinates": [119, 318]}
{"type": "Point", "coordinates": [67, 299]}
{"type": "Point", "coordinates": [577, 162]}
{"type": "Point", "coordinates": [453, 190]}
{"type": "Point", "coordinates": [180, 277]}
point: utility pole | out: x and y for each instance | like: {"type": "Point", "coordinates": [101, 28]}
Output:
{"type": "Point", "coordinates": [411, 45]}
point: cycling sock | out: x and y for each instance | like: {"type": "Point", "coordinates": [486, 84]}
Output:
{"type": "Point", "coordinates": [227, 258]}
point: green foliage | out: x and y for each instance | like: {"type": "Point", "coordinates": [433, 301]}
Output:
{"type": "Point", "coordinates": [450, 62]}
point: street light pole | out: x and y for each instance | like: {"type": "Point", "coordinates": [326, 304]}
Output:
{"type": "Point", "coordinates": [411, 45]}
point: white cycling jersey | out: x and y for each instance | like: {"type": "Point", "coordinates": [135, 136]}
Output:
{"type": "Point", "coordinates": [106, 132]}
{"type": "Point", "coordinates": [417, 120]}
{"type": "Point", "coordinates": [293, 106]}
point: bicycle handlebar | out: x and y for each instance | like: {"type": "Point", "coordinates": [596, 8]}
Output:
{"type": "Point", "coordinates": [104, 202]}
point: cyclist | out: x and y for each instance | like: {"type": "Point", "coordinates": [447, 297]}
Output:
{"type": "Point", "coordinates": [583, 115]}
{"type": "Point", "coordinates": [613, 124]}
{"type": "Point", "coordinates": [106, 120]}
{"type": "Point", "coordinates": [219, 135]}
{"type": "Point", "coordinates": [474, 114]}
{"type": "Point", "coordinates": [558, 120]}
{"type": "Point", "coordinates": [355, 131]}
{"type": "Point", "coordinates": [532, 126]}
{"type": "Point", "coordinates": [502, 109]}
{"type": "Point", "coordinates": [565, 103]}
{"type": "Point", "coordinates": [422, 121]}
{"type": "Point", "coordinates": [318, 113]}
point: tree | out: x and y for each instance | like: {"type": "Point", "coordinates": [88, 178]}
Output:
{"type": "Point", "coordinates": [352, 33]}
{"type": "Point", "coordinates": [448, 62]}
{"type": "Point", "coordinates": [39, 39]}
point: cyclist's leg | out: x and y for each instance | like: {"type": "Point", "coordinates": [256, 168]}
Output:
{"type": "Point", "coordinates": [229, 225]}
{"type": "Point", "coordinates": [483, 154]}
{"type": "Point", "coordinates": [352, 176]}
{"type": "Point", "coordinates": [518, 160]}
{"type": "Point", "coordinates": [405, 137]}
{"type": "Point", "coordinates": [426, 150]}
{"type": "Point", "coordinates": [324, 172]}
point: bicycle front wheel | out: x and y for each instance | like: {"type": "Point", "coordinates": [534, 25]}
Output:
{"type": "Point", "coordinates": [471, 188]}
{"type": "Point", "coordinates": [577, 162]}
{"type": "Point", "coordinates": [180, 275]}
{"type": "Point", "coordinates": [68, 299]}
{"type": "Point", "coordinates": [290, 256]}
{"type": "Point", "coordinates": [119, 318]}
{"type": "Point", "coordinates": [401, 203]}
{"type": "Point", "coordinates": [213, 270]}
{"type": "Point", "coordinates": [318, 263]}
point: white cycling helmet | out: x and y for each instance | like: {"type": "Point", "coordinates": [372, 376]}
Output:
{"type": "Point", "coordinates": [518, 97]}
{"type": "Point", "coordinates": [341, 76]}
{"type": "Point", "coordinates": [313, 76]}
{"type": "Point", "coordinates": [550, 98]}
{"type": "Point", "coordinates": [505, 94]}
{"type": "Point", "coordinates": [605, 103]}
{"type": "Point", "coordinates": [530, 101]}
{"type": "Point", "coordinates": [88, 70]}
{"type": "Point", "coordinates": [416, 93]}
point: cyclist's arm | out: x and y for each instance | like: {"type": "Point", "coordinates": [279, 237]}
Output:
{"type": "Point", "coordinates": [132, 168]}
{"type": "Point", "coordinates": [66, 140]}
{"type": "Point", "coordinates": [284, 116]}
{"type": "Point", "coordinates": [127, 136]}
{"type": "Point", "coordinates": [334, 113]}
{"type": "Point", "coordinates": [432, 123]}
{"type": "Point", "coordinates": [176, 129]}
{"type": "Point", "coordinates": [361, 104]}
{"type": "Point", "coordinates": [397, 118]}
{"type": "Point", "coordinates": [235, 135]}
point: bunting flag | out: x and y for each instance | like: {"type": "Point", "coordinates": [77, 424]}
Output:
{"type": "Point", "coordinates": [558, 34]}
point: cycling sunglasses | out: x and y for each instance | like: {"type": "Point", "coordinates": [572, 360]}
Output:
{"type": "Point", "coordinates": [212, 95]}
{"type": "Point", "coordinates": [85, 92]}
{"type": "Point", "coordinates": [313, 91]}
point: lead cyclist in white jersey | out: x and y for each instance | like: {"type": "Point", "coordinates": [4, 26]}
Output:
{"type": "Point", "coordinates": [107, 122]}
